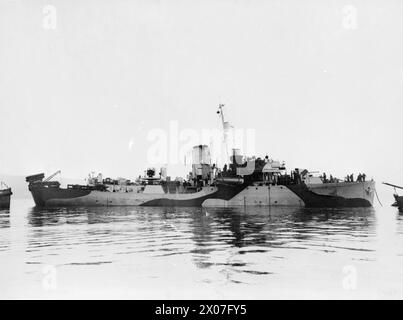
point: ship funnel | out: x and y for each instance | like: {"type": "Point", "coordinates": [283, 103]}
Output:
{"type": "Point", "coordinates": [236, 157]}
{"type": "Point", "coordinates": [201, 154]}
{"type": "Point", "coordinates": [163, 173]}
{"type": "Point", "coordinates": [201, 162]}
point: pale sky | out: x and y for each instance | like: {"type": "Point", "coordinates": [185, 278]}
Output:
{"type": "Point", "coordinates": [82, 95]}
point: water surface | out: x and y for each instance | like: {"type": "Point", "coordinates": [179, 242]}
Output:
{"type": "Point", "coordinates": [183, 253]}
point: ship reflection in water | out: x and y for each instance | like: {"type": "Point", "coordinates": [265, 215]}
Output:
{"type": "Point", "coordinates": [146, 252]}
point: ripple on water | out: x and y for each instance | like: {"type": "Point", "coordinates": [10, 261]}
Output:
{"type": "Point", "coordinates": [227, 246]}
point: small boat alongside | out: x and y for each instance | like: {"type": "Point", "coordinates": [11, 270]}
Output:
{"type": "Point", "coordinates": [5, 196]}
{"type": "Point", "coordinates": [398, 199]}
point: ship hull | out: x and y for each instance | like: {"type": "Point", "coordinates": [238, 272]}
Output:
{"type": "Point", "coordinates": [59, 197]}
{"type": "Point", "coordinates": [358, 194]}
{"type": "Point", "coordinates": [5, 196]}
{"type": "Point", "coordinates": [328, 195]}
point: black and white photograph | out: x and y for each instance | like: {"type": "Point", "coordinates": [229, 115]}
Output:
{"type": "Point", "coordinates": [215, 150]}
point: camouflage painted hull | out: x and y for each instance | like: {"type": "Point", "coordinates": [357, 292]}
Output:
{"type": "Point", "coordinates": [5, 196]}
{"type": "Point", "coordinates": [356, 194]}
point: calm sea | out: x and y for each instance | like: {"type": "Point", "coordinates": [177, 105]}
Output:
{"type": "Point", "coordinates": [184, 253]}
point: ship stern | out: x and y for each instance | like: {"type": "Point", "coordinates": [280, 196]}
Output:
{"type": "Point", "coordinates": [5, 197]}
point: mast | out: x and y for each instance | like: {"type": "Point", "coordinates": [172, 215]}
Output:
{"type": "Point", "coordinates": [225, 127]}
{"type": "Point", "coordinates": [220, 106]}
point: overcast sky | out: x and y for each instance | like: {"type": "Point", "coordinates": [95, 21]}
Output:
{"type": "Point", "coordinates": [322, 88]}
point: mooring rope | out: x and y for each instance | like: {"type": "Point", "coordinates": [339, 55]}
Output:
{"type": "Point", "coordinates": [378, 198]}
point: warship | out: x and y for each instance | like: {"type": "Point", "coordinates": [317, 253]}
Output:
{"type": "Point", "coordinates": [5, 195]}
{"type": "Point", "coordinates": [243, 182]}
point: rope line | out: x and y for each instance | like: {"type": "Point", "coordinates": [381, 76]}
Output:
{"type": "Point", "coordinates": [378, 198]}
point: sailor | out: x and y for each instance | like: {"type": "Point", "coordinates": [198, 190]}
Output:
{"type": "Point", "coordinates": [363, 177]}
{"type": "Point", "coordinates": [324, 178]}
{"type": "Point", "coordinates": [331, 179]}
{"type": "Point", "coordinates": [352, 177]}
{"type": "Point", "coordinates": [225, 168]}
